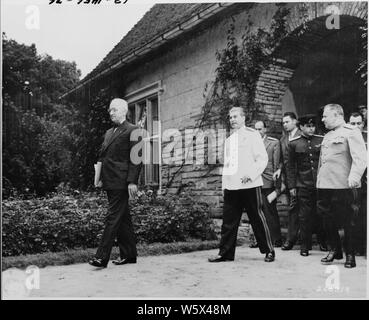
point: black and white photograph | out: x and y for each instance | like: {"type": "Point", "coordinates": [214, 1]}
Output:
{"type": "Point", "coordinates": [172, 150]}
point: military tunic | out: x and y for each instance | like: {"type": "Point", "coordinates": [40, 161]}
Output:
{"type": "Point", "coordinates": [273, 149]}
{"type": "Point", "coordinates": [244, 155]}
{"type": "Point", "coordinates": [302, 165]}
{"type": "Point", "coordinates": [293, 215]}
{"type": "Point", "coordinates": [343, 157]}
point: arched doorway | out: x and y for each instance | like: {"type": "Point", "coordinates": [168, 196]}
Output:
{"type": "Point", "coordinates": [327, 73]}
{"type": "Point", "coordinates": [314, 66]}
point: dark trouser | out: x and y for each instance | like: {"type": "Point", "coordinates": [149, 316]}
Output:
{"type": "Point", "coordinates": [118, 225]}
{"type": "Point", "coordinates": [271, 215]}
{"type": "Point", "coordinates": [234, 203]}
{"type": "Point", "coordinates": [293, 224]}
{"type": "Point", "coordinates": [360, 225]}
{"type": "Point", "coordinates": [308, 218]}
{"type": "Point", "coordinates": [293, 216]}
{"type": "Point", "coordinates": [330, 203]}
{"type": "Point", "coordinates": [318, 228]}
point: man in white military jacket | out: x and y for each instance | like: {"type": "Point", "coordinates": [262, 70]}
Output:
{"type": "Point", "coordinates": [341, 166]}
{"type": "Point", "coordinates": [245, 159]}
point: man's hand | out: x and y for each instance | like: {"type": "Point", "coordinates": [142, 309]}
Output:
{"type": "Point", "coordinates": [132, 190]}
{"type": "Point", "coordinates": [277, 174]}
{"type": "Point", "coordinates": [293, 192]}
{"type": "Point", "coordinates": [99, 184]}
{"type": "Point", "coordinates": [246, 179]}
{"type": "Point", "coordinates": [353, 183]}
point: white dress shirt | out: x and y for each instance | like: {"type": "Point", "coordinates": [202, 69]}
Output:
{"type": "Point", "coordinates": [291, 135]}
{"type": "Point", "coordinates": [244, 155]}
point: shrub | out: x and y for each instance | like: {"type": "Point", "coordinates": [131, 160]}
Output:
{"type": "Point", "coordinates": [170, 218]}
{"type": "Point", "coordinates": [69, 221]}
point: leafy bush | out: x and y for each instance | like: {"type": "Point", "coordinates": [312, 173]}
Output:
{"type": "Point", "coordinates": [170, 218]}
{"type": "Point", "coordinates": [68, 221]}
{"type": "Point", "coordinates": [41, 137]}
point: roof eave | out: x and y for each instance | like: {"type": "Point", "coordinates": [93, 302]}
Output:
{"type": "Point", "coordinates": [176, 31]}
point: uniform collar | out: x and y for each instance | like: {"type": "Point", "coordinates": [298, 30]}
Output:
{"type": "Point", "coordinates": [306, 137]}
{"type": "Point", "coordinates": [339, 125]}
{"type": "Point", "coordinates": [238, 130]}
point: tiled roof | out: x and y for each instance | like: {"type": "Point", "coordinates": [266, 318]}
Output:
{"type": "Point", "coordinates": [159, 19]}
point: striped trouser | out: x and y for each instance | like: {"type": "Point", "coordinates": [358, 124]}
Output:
{"type": "Point", "coordinates": [234, 203]}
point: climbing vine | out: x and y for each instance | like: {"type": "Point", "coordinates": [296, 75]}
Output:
{"type": "Point", "coordinates": [240, 66]}
{"type": "Point", "coordinates": [362, 69]}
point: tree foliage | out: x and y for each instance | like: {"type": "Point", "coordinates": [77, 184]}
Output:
{"type": "Point", "coordinates": [40, 135]}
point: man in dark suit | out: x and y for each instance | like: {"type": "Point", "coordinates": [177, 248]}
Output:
{"type": "Point", "coordinates": [270, 182]}
{"type": "Point", "coordinates": [357, 120]}
{"type": "Point", "coordinates": [291, 131]}
{"type": "Point", "coordinates": [119, 177]}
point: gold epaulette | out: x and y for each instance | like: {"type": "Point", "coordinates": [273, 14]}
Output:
{"type": "Point", "coordinates": [250, 129]}
{"type": "Point", "coordinates": [349, 126]}
{"type": "Point", "coordinates": [271, 138]}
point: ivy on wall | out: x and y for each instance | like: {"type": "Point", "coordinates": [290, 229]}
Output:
{"type": "Point", "coordinates": [240, 66]}
{"type": "Point", "coordinates": [362, 69]}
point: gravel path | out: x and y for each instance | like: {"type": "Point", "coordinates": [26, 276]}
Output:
{"type": "Point", "coordinates": [189, 275]}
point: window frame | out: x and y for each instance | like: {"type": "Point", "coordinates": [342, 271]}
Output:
{"type": "Point", "coordinates": [136, 98]}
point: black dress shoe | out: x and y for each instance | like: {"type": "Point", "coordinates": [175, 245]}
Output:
{"type": "Point", "coordinates": [288, 245]}
{"type": "Point", "coordinates": [304, 252]}
{"type": "Point", "coordinates": [278, 244]}
{"type": "Point", "coordinates": [269, 257]}
{"type": "Point", "coordinates": [253, 245]}
{"type": "Point", "coordinates": [121, 261]}
{"type": "Point", "coordinates": [323, 247]}
{"type": "Point", "coordinates": [350, 261]}
{"type": "Point", "coordinates": [219, 259]}
{"type": "Point", "coordinates": [99, 263]}
{"type": "Point", "coordinates": [331, 256]}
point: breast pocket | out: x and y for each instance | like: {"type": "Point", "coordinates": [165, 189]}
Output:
{"type": "Point", "coordinates": [338, 145]}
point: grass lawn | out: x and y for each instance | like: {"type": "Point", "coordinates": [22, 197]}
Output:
{"type": "Point", "coordinates": [83, 255]}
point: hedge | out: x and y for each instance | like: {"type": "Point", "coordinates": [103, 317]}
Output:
{"type": "Point", "coordinates": [71, 221]}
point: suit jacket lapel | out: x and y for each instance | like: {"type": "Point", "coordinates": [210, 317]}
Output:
{"type": "Point", "coordinates": [297, 133]}
{"type": "Point", "coordinates": [107, 138]}
{"type": "Point", "coordinates": [121, 129]}
{"type": "Point", "coordinates": [266, 143]}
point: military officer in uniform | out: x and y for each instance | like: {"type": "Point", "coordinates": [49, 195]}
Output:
{"type": "Point", "coordinates": [341, 166]}
{"type": "Point", "coordinates": [245, 159]}
{"type": "Point", "coordinates": [290, 126]}
{"type": "Point", "coordinates": [271, 183]}
{"type": "Point", "coordinates": [357, 120]}
{"type": "Point", "coordinates": [302, 165]}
